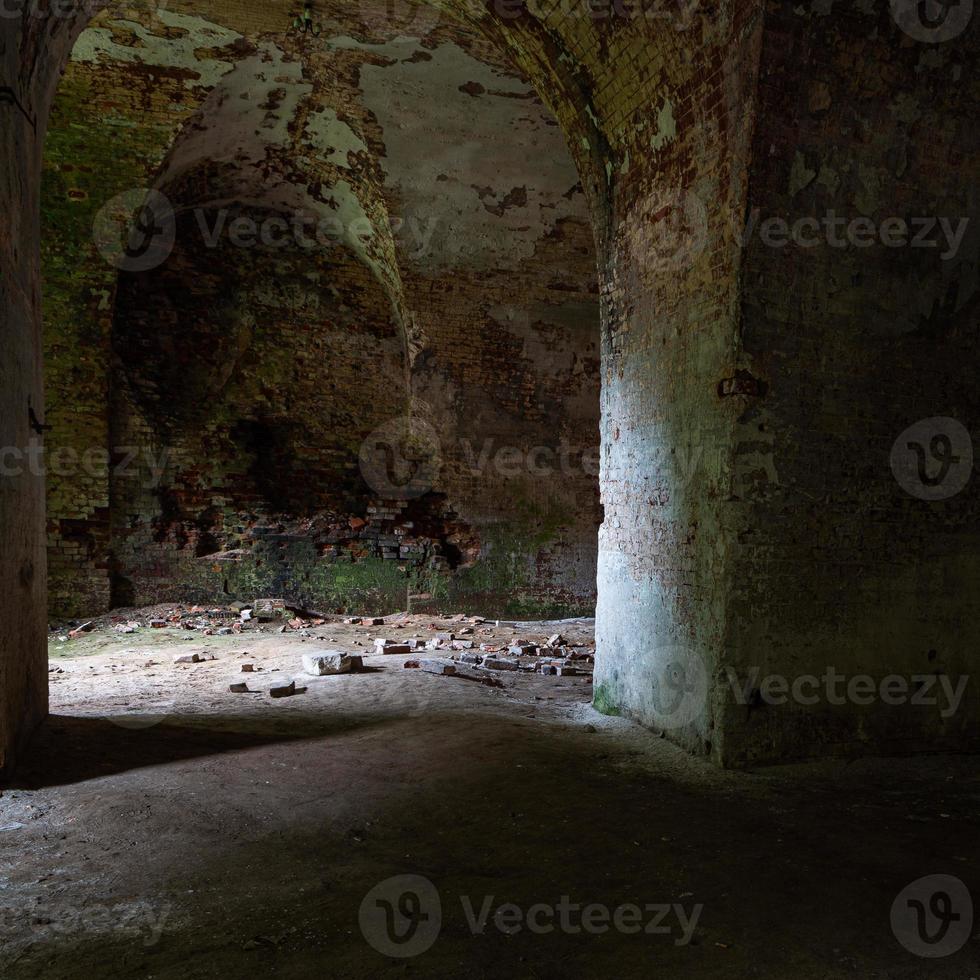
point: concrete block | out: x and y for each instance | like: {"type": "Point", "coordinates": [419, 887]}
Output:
{"type": "Point", "coordinates": [322, 662]}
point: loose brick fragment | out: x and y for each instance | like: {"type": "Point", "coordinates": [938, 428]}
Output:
{"type": "Point", "coordinates": [319, 663]}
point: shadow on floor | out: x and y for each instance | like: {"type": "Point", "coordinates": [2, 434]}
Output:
{"type": "Point", "coordinates": [72, 749]}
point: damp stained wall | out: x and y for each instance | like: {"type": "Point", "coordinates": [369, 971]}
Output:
{"type": "Point", "coordinates": [235, 386]}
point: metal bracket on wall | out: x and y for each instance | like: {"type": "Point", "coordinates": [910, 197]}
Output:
{"type": "Point", "coordinates": [9, 97]}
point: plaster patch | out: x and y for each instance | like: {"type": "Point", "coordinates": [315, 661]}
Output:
{"type": "Point", "coordinates": [333, 137]}
{"type": "Point", "coordinates": [248, 111]}
{"type": "Point", "coordinates": [96, 44]}
{"type": "Point", "coordinates": [666, 127]}
{"type": "Point", "coordinates": [492, 168]}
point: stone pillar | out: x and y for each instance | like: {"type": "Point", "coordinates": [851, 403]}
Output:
{"type": "Point", "coordinates": [23, 587]}
{"type": "Point", "coordinates": [671, 320]}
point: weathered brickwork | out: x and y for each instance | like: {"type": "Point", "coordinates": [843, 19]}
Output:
{"type": "Point", "coordinates": [750, 393]}
{"type": "Point", "coordinates": [669, 339]}
{"type": "Point", "coordinates": [836, 564]}
{"type": "Point", "coordinates": [236, 386]}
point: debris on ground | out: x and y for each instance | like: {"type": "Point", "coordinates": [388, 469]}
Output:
{"type": "Point", "coordinates": [449, 668]}
{"type": "Point", "coordinates": [393, 647]}
{"type": "Point", "coordinates": [267, 609]}
{"type": "Point", "coordinates": [488, 647]}
{"type": "Point", "coordinates": [319, 663]}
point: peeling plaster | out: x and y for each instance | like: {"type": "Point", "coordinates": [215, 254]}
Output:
{"type": "Point", "coordinates": [497, 180]}
{"type": "Point", "coordinates": [97, 44]}
{"type": "Point", "coordinates": [666, 127]}
{"type": "Point", "coordinates": [333, 137]}
{"type": "Point", "coordinates": [248, 112]}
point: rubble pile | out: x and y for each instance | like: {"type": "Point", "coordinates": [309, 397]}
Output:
{"type": "Point", "coordinates": [259, 615]}
{"type": "Point", "coordinates": [467, 647]}
{"type": "Point", "coordinates": [552, 657]}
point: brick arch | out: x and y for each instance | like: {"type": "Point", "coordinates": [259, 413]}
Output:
{"type": "Point", "coordinates": [650, 110]}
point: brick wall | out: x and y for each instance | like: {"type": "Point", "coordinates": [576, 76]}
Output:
{"type": "Point", "coordinates": [251, 376]}
{"type": "Point", "coordinates": [839, 565]}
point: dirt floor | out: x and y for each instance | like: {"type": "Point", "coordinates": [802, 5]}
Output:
{"type": "Point", "coordinates": [165, 827]}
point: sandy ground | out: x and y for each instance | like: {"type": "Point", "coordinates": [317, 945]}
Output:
{"type": "Point", "coordinates": [164, 827]}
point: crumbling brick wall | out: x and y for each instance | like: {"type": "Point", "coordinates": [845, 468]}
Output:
{"type": "Point", "coordinates": [742, 385]}
{"type": "Point", "coordinates": [236, 386]}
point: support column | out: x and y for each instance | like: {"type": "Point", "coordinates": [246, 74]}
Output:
{"type": "Point", "coordinates": [23, 576]}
